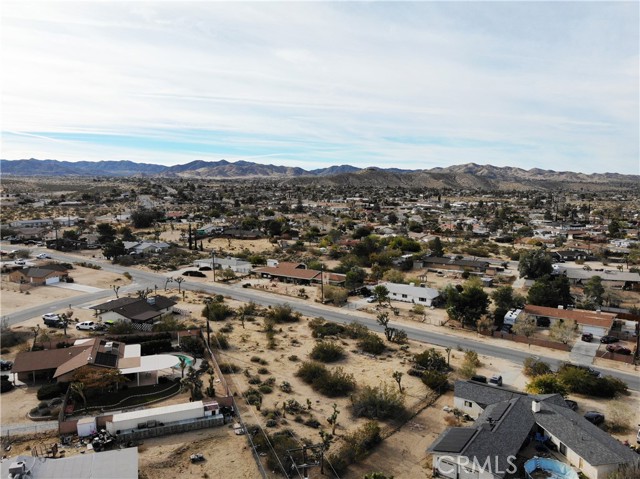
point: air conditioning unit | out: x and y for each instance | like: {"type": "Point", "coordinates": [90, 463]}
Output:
{"type": "Point", "coordinates": [17, 468]}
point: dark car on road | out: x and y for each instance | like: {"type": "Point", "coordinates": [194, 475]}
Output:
{"type": "Point", "coordinates": [571, 404]}
{"type": "Point", "coordinates": [618, 349]}
{"type": "Point", "coordinates": [594, 417]}
{"type": "Point", "coordinates": [608, 339]}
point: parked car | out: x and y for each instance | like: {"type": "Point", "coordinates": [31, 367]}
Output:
{"type": "Point", "coordinates": [571, 404]}
{"type": "Point", "coordinates": [43, 256]}
{"type": "Point", "coordinates": [371, 299]}
{"type": "Point", "coordinates": [594, 417]}
{"type": "Point", "coordinates": [55, 323]}
{"type": "Point", "coordinates": [608, 339]}
{"type": "Point", "coordinates": [587, 337]}
{"type": "Point", "coordinates": [496, 380]}
{"type": "Point", "coordinates": [479, 379]}
{"type": "Point", "coordinates": [50, 316]}
{"type": "Point", "coordinates": [5, 365]}
{"type": "Point", "coordinates": [618, 349]}
{"type": "Point", "coordinates": [20, 262]}
{"type": "Point", "coordinates": [87, 326]}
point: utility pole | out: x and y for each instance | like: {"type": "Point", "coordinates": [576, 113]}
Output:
{"type": "Point", "coordinates": [314, 460]}
{"type": "Point", "coordinates": [322, 281]}
{"type": "Point", "coordinates": [213, 264]}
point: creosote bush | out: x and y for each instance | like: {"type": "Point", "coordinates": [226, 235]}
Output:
{"type": "Point", "coordinates": [330, 383]}
{"type": "Point", "coordinates": [327, 352]}
{"type": "Point", "coordinates": [378, 402]}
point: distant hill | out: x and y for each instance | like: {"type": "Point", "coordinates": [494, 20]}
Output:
{"type": "Point", "coordinates": [467, 176]}
{"type": "Point", "coordinates": [33, 167]}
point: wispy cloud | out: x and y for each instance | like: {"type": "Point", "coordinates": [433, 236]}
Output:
{"type": "Point", "coordinates": [542, 84]}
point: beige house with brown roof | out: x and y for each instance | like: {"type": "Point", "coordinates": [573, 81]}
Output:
{"type": "Point", "coordinates": [298, 273]}
{"type": "Point", "coordinates": [594, 322]}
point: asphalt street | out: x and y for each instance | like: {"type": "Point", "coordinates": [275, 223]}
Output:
{"type": "Point", "coordinates": [146, 279]}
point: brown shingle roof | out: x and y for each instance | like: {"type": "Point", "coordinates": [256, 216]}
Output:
{"type": "Point", "coordinates": [42, 360]}
{"type": "Point", "coordinates": [290, 270]}
{"type": "Point", "coordinates": [580, 316]}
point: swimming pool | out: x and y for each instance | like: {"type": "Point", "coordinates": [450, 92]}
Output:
{"type": "Point", "coordinates": [188, 359]}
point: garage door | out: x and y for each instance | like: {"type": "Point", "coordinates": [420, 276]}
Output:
{"type": "Point", "coordinates": [52, 280]}
{"type": "Point", "coordinates": [596, 331]}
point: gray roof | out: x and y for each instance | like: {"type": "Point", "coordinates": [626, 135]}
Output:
{"type": "Point", "coordinates": [607, 275]}
{"type": "Point", "coordinates": [508, 419]}
{"type": "Point", "coordinates": [122, 463]}
{"type": "Point", "coordinates": [588, 441]}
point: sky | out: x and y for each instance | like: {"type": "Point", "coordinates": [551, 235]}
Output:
{"type": "Point", "coordinates": [416, 85]}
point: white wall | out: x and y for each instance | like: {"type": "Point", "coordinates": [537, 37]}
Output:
{"type": "Point", "coordinates": [474, 411]}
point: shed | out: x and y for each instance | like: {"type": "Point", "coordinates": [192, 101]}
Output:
{"type": "Point", "coordinates": [87, 426]}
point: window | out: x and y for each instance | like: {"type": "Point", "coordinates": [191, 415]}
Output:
{"type": "Point", "coordinates": [422, 300]}
{"type": "Point", "coordinates": [404, 295]}
{"type": "Point", "coordinates": [563, 449]}
{"type": "Point", "coordinates": [468, 404]}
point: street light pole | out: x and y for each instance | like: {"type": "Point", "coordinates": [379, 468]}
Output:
{"type": "Point", "coordinates": [322, 281]}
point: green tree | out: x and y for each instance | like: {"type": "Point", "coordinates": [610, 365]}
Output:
{"type": "Point", "coordinates": [546, 384]}
{"type": "Point", "coordinates": [550, 292]}
{"type": "Point", "coordinates": [562, 331]}
{"type": "Point", "coordinates": [145, 217]}
{"type": "Point", "coordinates": [534, 264]}
{"type": "Point", "coordinates": [468, 305]}
{"type": "Point", "coordinates": [114, 250]}
{"type": "Point", "coordinates": [355, 278]}
{"type": "Point", "coordinates": [435, 245]}
{"type": "Point", "coordinates": [431, 359]}
{"type": "Point", "coordinates": [594, 290]}
{"type": "Point", "coordinates": [615, 230]}
{"type": "Point", "coordinates": [525, 327]}
{"type": "Point", "coordinates": [381, 293]}
{"type": "Point", "coordinates": [106, 233]}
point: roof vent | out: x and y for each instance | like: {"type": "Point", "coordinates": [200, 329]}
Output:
{"type": "Point", "coordinates": [535, 406]}
{"type": "Point", "coordinates": [151, 300]}
{"type": "Point", "coordinates": [17, 468]}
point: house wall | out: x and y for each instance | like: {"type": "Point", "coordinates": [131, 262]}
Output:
{"type": "Point", "coordinates": [164, 417]}
{"type": "Point", "coordinates": [410, 298]}
{"type": "Point", "coordinates": [474, 410]}
{"type": "Point", "coordinates": [592, 472]}
{"type": "Point", "coordinates": [454, 466]}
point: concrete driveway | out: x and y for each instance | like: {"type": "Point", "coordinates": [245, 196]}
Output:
{"type": "Point", "coordinates": [77, 287]}
{"type": "Point", "coordinates": [583, 352]}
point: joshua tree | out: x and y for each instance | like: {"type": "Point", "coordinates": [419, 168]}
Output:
{"type": "Point", "coordinates": [78, 388]}
{"type": "Point", "coordinates": [169, 280]}
{"type": "Point", "coordinates": [115, 290]}
{"type": "Point", "coordinates": [448, 350]}
{"type": "Point", "coordinates": [179, 280]}
{"type": "Point", "coordinates": [397, 375]}
{"type": "Point", "coordinates": [333, 419]}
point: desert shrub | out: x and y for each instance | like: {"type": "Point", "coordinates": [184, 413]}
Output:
{"type": "Point", "coordinates": [271, 423]}
{"type": "Point", "coordinates": [255, 359]}
{"type": "Point", "coordinates": [312, 422]}
{"type": "Point", "coordinates": [220, 341]}
{"type": "Point", "coordinates": [293, 407]}
{"type": "Point", "coordinates": [618, 417]}
{"type": "Point", "coordinates": [309, 371]}
{"type": "Point", "coordinates": [229, 368]}
{"type": "Point", "coordinates": [378, 403]}
{"type": "Point", "coordinates": [254, 380]}
{"type": "Point", "coordinates": [265, 389]}
{"type": "Point", "coordinates": [533, 367]}
{"type": "Point", "coordinates": [356, 446]}
{"type": "Point", "coordinates": [227, 328]}
{"type": "Point", "coordinates": [356, 331]}
{"type": "Point", "coordinates": [432, 360]}
{"type": "Point", "coordinates": [372, 344]}
{"type": "Point", "coordinates": [320, 328]}
{"type": "Point", "coordinates": [155, 347]}
{"type": "Point", "coordinates": [581, 381]}
{"type": "Point", "coordinates": [327, 352]}
{"type": "Point", "coordinates": [285, 387]}
{"type": "Point", "coordinates": [293, 358]}
{"type": "Point", "coordinates": [472, 358]}
{"type": "Point", "coordinates": [435, 380]}
{"type": "Point", "coordinates": [546, 384]}
{"type": "Point", "coordinates": [283, 313]}
{"type": "Point", "coordinates": [11, 338]}
{"type": "Point", "coordinates": [276, 447]}
{"type": "Point", "coordinates": [263, 371]}
{"type": "Point", "coordinates": [193, 345]}
{"type": "Point", "coordinates": [216, 311]}
{"type": "Point", "coordinates": [330, 383]}
{"type": "Point", "coordinates": [253, 396]}
{"type": "Point", "coordinates": [49, 391]}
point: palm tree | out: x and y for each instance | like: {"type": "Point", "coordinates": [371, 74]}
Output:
{"type": "Point", "coordinates": [183, 364]}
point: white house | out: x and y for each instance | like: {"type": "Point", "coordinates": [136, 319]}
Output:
{"type": "Point", "coordinates": [409, 293]}
{"type": "Point", "coordinates": [507, 421]}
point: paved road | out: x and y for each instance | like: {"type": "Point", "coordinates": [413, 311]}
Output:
{"type": "Point", "coordinates": [144, 279]}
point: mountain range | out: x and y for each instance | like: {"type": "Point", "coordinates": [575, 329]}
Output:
{"type": "Point", "coordinates": [466, 176]}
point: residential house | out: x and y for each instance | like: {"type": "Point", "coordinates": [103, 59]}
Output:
{"type": "Point", "coordinates": [236, 265]}
{"type": "Point", "coordinates": [451, 264]}
{"type": "Point", "coordinates": [97, 353]}
{"type": "Point", "coordinates": [139, 311]}
{"type": "Point", "coordinates": [625, 280]}
{"type": "Point", "coordinates": [594, 322]}
{"type": "Point", "coordinates": [298, 273]}
{"type": "Point", "coordinates": [409, 293]}
{"type": "Point", "coordinates": [507, 421]}
{"type": "Point", "coordinates": [38, 276]}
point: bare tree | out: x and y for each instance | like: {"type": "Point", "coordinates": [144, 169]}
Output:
{"type": "Point", "coordinates": [115, 290]}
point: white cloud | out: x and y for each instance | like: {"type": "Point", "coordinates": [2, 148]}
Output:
{"type": "Point", "coordinates": [527, 84]}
